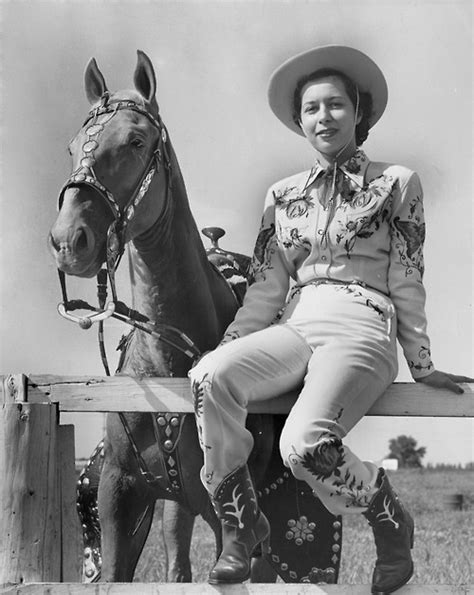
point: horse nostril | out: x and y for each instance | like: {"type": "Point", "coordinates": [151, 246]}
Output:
{"type": "Point", "coordinates": [81, 240]}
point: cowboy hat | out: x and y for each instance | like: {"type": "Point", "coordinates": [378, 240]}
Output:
{"type": "Point", "coordinates": [355, 64]}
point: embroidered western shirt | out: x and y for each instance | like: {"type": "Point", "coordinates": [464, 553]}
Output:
{"type": "Point", "coordinates": [363, 222]}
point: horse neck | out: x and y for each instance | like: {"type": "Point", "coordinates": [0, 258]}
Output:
{"type": "Point", "coordinates": [172, 284]}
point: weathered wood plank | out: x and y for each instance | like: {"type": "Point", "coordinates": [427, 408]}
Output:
{"type": "Point", "coordinates": [14, 388]}
{"type": "Point", "coordinates": [29, 522]}
{"type": "Point", "coordinates": [71, 567]}
{"type": "Point", "coordinates": [205, 589]}
{"type": "Point", "coordinates": [124, 393]}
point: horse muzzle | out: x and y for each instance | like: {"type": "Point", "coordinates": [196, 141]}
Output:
{"type": "Point", "coordinates": [76, 251]}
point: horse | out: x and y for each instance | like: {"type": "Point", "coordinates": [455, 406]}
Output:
{"type": "Point", "coordinates": [126, 188]}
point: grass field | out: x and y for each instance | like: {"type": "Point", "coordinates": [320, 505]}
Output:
{"type": "Point", "coordinates": [444, 539]}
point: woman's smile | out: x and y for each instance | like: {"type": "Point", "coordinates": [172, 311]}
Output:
{"type": "Point", "coordinates": [327, 133]}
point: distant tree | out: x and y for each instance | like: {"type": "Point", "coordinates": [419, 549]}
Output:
{"type": "Point", "coordinates": [404, 449]}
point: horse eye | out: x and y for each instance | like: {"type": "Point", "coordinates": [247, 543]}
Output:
{"type": "Point", "coordinates": [137, 143]}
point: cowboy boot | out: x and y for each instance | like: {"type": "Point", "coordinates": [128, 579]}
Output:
{"type": "Point", "coordinates": [244, 527]}
{"type": "Point", "coordinates": [393, 529]}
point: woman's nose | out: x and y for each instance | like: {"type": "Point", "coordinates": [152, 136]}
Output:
{"type": "Point", "coordinates": [324, 114]}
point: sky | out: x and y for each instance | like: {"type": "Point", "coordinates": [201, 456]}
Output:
{"type": "Point", "coordinates": [213, 61]}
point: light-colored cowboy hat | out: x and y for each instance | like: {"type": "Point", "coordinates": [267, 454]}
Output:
{"type": "Point", "coordinates": [353, 63]}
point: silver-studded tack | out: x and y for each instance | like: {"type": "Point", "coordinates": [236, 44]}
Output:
{"type": "Point", "coordinates": [161, 421]}
{"type": "Point", "coordinates": [168, 444]}
{"type": "Point", "coordinates": [94, 129]}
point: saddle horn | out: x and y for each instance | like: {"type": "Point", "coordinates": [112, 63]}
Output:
{"type": "Point", "coordinates": [214, 234]}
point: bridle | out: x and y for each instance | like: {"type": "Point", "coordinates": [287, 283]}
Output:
{"type": "Point", "coordinates": [85, 175]}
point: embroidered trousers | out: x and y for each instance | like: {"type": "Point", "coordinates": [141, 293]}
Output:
{"type": "Point", "coordinates": [337, 343]}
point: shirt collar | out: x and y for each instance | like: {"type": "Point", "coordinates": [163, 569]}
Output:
{"type": "Point", "coordinates": [354, 168]}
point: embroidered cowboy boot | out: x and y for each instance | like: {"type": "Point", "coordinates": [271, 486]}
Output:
{"type": "Point", "coordinates": [244, 527]}
{"type": "Point", "coordinates": [393, 529]}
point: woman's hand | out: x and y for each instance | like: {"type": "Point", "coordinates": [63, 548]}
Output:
{"type": "Point", "coordinates": [440, 379]}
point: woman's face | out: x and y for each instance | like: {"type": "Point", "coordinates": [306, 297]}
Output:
{"type": "Point", "coordinates": [327, 116]}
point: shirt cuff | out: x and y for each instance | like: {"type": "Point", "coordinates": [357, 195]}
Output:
{"type": "Point", "coordinates": [421, 364]}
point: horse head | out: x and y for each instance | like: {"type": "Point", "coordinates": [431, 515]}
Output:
{"type": "Point", "coordinates": [120, 160]}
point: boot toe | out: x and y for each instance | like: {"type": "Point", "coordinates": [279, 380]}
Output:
{"type": "Point", "coordinates": [383, 584]}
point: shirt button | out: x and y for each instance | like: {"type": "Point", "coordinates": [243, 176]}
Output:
{"type": "Point", "coordinates": [323, 257]}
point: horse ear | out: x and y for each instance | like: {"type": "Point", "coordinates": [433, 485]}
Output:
{"type": "Point", "coordinates": [94, 82]}
{"type": "Point", "coordinates": [144, 77]}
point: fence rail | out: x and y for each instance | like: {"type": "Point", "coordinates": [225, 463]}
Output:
{"type": "Point", "coordinates": [39, 548]}
{"type": "Point", "coordinates": [125, 393]}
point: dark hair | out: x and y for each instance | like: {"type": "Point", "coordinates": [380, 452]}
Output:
{"type": "Point", "coordinates": [365, 100]}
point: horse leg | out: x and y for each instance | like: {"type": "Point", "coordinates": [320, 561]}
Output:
{"type": "Point", "coordinates": [125, 511]}
{"type": "Point", "coordinates": [178, 525]}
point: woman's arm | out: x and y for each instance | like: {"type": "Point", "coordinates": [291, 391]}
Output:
{"type": "Point", "coordinates": [405, 276]}
{"type": "Point", "coordinates": [269, 282]}
{"type": "Point", "coordinates": [406, 285]}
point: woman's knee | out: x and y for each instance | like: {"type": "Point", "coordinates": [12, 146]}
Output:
{"type": "Point", "coordinates": [213, 375]}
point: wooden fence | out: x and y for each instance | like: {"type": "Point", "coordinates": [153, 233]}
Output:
{"type": "Point", "coordinates": [39, 548]}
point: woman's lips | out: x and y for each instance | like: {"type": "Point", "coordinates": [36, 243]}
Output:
{"type": "Point", "coordinates": [327, 132]}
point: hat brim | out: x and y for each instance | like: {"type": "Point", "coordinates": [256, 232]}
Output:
{"type": "Point", "coordinates": [353, 63]}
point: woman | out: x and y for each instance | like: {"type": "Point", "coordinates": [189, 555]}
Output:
{"type": "Point", "coordinates": [349, 235]}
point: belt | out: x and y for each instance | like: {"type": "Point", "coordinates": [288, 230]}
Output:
{"type": "Point", "coordinates": [328, 281]}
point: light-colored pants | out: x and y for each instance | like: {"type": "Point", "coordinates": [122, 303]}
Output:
{"type": "Point", "coordinates": [338, 343]}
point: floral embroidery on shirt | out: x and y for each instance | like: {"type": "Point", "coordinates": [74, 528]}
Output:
{"type": "Point", "coordinates": [297, 206]}
{"type": "Point", "coordinates": [261, 260]}
{"type": "Point", "coordinates": [424, 362]}
{"type": "Point", "coordinates": [411, 235]}
{"type": "Point", "coordinates": [361, 227]}
{"type": "Point", "coordinates": [377, 188]}
{"type": "Point", "coordinates": [292, 238]}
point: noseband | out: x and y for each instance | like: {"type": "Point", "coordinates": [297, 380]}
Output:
{"type": "Point", "coordinates": [85, 175]}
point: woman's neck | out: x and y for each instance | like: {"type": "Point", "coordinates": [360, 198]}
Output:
{"type": "Point", "coordinates": [327, 160]}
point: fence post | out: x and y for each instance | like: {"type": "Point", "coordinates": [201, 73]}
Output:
{"type": "Point", "coordinates": [29, 491]}
{"type": "Point", "coordinates": [71, 535]}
